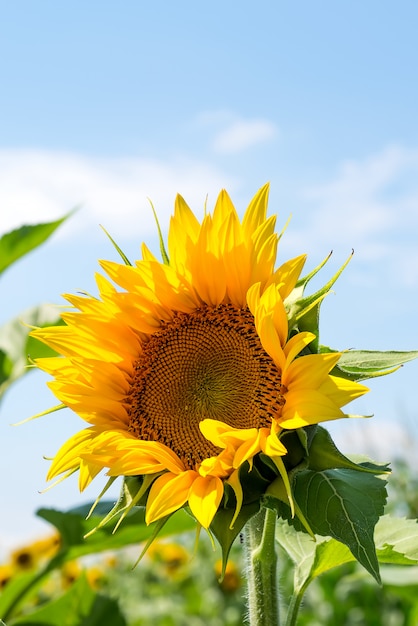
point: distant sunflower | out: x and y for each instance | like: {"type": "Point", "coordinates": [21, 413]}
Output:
{"type": "Point", "coordinates": [189, 370]}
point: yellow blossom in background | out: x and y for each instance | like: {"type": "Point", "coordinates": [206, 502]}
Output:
{"type": "Point", "coordinates": [187, 369]}
{"type": "Point", "coordinates": [69, 573]}
{"type": "Point", "coordinates": [172, 555]}
{"type": "Point", "coordinates": [38, 551]}
{"type": "Point", "coordinates": [229, 580]}
{"type": "Point", "coordinates": [95, 576]}
{"type": "Point", "coordinates": [6, 574]}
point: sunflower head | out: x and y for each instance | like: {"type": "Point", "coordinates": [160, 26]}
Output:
{"type": "Point", "coordinates": [199, 378]}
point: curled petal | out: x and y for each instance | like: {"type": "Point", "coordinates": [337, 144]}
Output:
{"type": "Point", "coordinates": [168, 493]}
{"type": "Point", "coordinates": [205, 496]}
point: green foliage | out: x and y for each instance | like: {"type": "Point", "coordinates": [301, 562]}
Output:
{"type": "Point", "coordinates": [346, 505]}
{"type": "Point", "coordinates": [333, 496]}
{"type": "Point", "coordinates": [161, 590]}
{"type": "Point", "coordinates": [73, 527]}
{"type": "Point", "coordinates": [17, 349]}
{"type": "Point", "coordinates": [396, 544]}
{"type": "Point", "coordinates": [80, 606]}
{"type": "Point", "coordinates": [18, 242]}
{"type": "Point", "coordinates": [364, 364]}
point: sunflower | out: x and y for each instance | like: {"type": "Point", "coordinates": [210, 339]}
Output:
{"type": "Point", "coordinates": [187, 369]}
{"type": "Point", "coordinates": [31, 555]}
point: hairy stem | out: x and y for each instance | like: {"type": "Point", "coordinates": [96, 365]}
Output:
{"type": "Point", "coordinates": [263, 604]}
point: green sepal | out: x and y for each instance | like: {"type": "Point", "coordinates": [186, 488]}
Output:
{"type": "Point", "coordinates": [117, 248]}
{"type": "Point", "coordinates": [303, 311]}
{"type": "Point", "coordinates": [324, 454]}
{"type": "Point", "coordinates": [254, 481]}
{"type": "Point", "coordinates": [157, 526]}
{"type": "Point", "coordinates": [164, 254]}
{"type": "Point", "coordinates": [220, 527]}
{"type": "Point", "coordinates": [364, 364]}
{"type": "Point", "coordinates": [133, 493]}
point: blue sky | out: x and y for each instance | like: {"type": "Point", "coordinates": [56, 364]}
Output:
{"type": "Point", "coordinates": [103, 106]}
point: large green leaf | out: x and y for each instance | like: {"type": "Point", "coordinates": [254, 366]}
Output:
{"type": "Point", "coordinates": [324, 454]}
{"type": "Point", "coordinates": [365, 364]}
{"type": "Point", "coordinates": [17, 349]}
{"type": "Point", "coordinates": [344, 504]}
{"type": "Point", "coordinates": [18, 242]}
{"type": "Point", "coordinates": [79, 606]}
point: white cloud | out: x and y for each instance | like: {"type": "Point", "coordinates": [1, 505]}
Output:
{"type": "Point", "coordinates": [40, 185]}
{"type": "Point", "coordinates": [242, 134]}
{"type": "Point", "coordinates": [370, 205]}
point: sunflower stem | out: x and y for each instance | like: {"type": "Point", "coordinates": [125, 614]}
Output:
{"type": "Point", "coordinates": [263, 604]}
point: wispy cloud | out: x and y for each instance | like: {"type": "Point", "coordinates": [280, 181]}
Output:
{"type": "Point", "coordinates": [231, 133]}
{"type": "Point", "coordinates": [370, 204]}
{"type": "Point", "coordinates": [40, 185]}
{"type": "Point", "coordinates": [243, 134]}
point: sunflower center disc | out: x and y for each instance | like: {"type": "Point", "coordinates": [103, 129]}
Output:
{"type": "Point", "coordinates": [205, 364]}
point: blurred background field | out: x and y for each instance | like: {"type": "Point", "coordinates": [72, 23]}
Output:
{"type": "Point", "coordinates": [178, 583]}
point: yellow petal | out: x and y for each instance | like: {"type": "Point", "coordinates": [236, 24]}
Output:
{"type": "Point", "coordinates": [256, 211]}
{"type": "Point", "coordinates": [204, 498]}
{"type": "Point", "coordinates": [168, 493]}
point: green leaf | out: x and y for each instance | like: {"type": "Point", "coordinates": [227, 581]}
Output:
{"type": "Point", "coordinates": [311, 558]}
{"type": "Point", "coordinates": [324, 454]}
{"type": "Point", "coordinates": [17, 348]}
{"type": "Point", "coordinates": [19, 589]}
{"type": "Point", "coordinates": [79, 606]}
{"type": "Point", "coordinates": [344, 504]}
{"type": "Point", "coordinates": [364, 364]}
{"type": "Point", "coordinates": [397, 540]}
{"type": "Point", "coordinates": [18, 242]}
{"type": "Point", "coordinates": [396, 544]}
